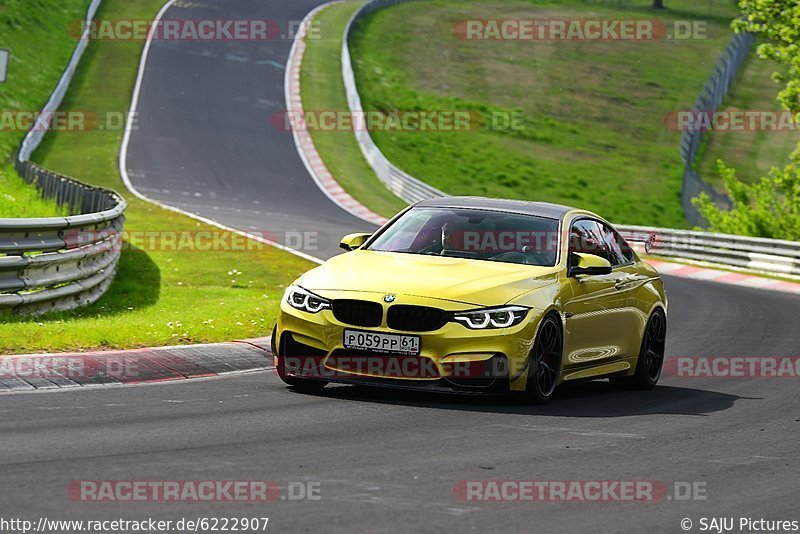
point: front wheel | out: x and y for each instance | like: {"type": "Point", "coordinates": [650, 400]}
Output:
{"type": "Point", "coordinates": [301, 385]}
{"type": "Point", "coordinates": [306, 386]}
{"type": "Point", "coordinates": [545, 362]}
{"type": "Point", "coordinates": [651, 355]}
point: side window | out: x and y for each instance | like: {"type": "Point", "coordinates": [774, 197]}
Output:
{"type": "Point", "coordinates": [619, 252]}
{"type": "Point", "coordinates": [586, 237]}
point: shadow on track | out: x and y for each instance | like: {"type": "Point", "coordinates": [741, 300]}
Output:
{"type": "Point", "coordinates": [587, 399]}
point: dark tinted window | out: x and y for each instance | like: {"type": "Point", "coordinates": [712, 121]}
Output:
{"type": "Point", "coordinates": [585, 237]}
{"type": "Point", "coordinates": [473, 234]}
{"type": "Point", "coordinates": [619, 252]}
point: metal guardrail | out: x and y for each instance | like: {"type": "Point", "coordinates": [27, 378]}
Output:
{"type": "Point", "coordinates": [714, 92]}
{"type": "Point", "coordinates": [759, 254]}
{"type": "Point", "coordinates": [398, 181]}
{"type": "Point", "coordinates": [773, 256]}
{"type": "Point", "coordinates": [59, 263]}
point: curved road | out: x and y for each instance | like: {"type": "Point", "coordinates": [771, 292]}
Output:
{"type": "Point", "coordinates": [387, 462]}
{"type": "Point", "coordinates": [206, 143]}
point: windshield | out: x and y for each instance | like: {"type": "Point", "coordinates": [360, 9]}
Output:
{"type": "Point", "coordinates": [473, 234]}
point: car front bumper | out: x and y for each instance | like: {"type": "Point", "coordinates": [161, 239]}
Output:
{"type": "Point", "coordinates": [453, 358]}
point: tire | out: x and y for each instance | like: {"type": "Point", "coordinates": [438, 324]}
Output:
{"type": "Point", "coordinates": [306, 386]}
{"type": "Point", "coordinates": [301, 385]}
{"type": "Point", "coordinates": [544, 365]}
{"type": "Point", "coordinates": [651, 355]}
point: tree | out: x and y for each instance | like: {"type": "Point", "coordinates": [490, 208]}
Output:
{"type": "Point", "coordinates": [658, 4]}
{"type": "Point", "coordinates": [779, 22]}
{"type": "Point", "coordinates": [769, 207]}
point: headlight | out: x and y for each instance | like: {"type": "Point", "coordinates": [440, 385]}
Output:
{"type": "Point", "coordinates": [491, 317]}
{"type": "Point", "coordinates": [305, 300]}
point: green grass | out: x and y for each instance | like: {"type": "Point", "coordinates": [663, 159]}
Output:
{"type": "Point", "coordinates": [750, 153]}
{"type": "Point", "coordinates": [35, 32]}
{"type": "Point", "coordinates": [594, 134]}
{"type": "Point", "coordinates": [158, 297]}
{"type": "Point", "coordinates": [323, 90]}
{"type": "Point", "coordinates": [19, 199]}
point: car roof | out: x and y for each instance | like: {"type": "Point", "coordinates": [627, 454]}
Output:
{"type": "Point", "coordinates": [540, 209]}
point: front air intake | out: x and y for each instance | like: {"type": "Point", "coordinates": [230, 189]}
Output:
{"type": "Point", "coordinates": [357, 312]}
{"type": "Point", "coordinates": [416, 318]}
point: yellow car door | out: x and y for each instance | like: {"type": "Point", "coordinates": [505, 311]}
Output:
{"type": "Point", "coordinates": [628, 284]}
{"type": "Point", "coordinates": [597, 308]}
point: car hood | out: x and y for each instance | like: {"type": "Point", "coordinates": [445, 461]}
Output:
{"type": "Point", "coordinates": [476, 282]}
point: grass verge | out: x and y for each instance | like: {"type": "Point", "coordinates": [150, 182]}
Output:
{"type": "Point", "coordinates": [593, 133]}
{"type": "Point", "coordinates": [323, 90]}
{"type": "Point", "coordinates": [751, 153]}
{"type": "Point", "coordinates": [35, 33]}
{"type": "Point", "coordinates": [20, 199]}
{"type": "Point", "coordinates": [159, 297]}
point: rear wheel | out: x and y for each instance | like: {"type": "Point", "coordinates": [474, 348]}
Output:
{"type": "Point", "coordinates": [545, 362]}
{"type": "Point", "coordinates": [651, 355]}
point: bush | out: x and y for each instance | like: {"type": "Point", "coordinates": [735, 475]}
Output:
{"type": "Point", "coordinates": [769, 207]}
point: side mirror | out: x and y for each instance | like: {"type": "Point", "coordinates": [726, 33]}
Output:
{"type": "Point", "coordinates": [353, 241]}
{"type": "Point", "coordinates": [588, 264]}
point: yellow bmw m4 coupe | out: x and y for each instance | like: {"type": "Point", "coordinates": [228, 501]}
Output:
{"type": "Point", "coordinates": [476, 295]}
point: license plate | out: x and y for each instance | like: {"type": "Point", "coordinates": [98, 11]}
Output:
{"type": "Point", "coordinates": [392, 343]}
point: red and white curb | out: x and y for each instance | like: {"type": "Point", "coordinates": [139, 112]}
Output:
{"type": "Point", "coordinates": [30, 372]}
{"type": "Point", "coordinates": [302, 138]}
{"type": "Point", "coordinates": [724, 277]}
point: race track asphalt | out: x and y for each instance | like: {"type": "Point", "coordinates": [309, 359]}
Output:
{"type": "Point", "coordinates": [206, 140]}
{"type": "Point", "coordinates": [388, 461]}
